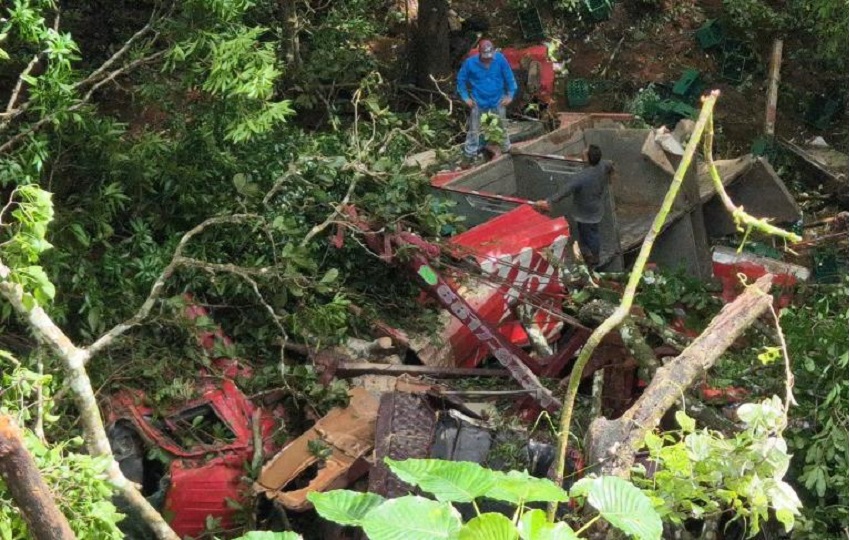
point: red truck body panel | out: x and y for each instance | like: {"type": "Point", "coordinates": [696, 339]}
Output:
{"type": "Point", "coordinates": [507, 248]}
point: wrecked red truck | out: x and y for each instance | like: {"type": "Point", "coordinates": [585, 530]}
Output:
{"type": "Point", "coordinates": [191, 460]}
{"type": "Point", "coordinates": [499, 282]}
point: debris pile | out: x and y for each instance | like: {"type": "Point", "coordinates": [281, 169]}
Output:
{"type": "Point", "coordinates": [504, 287]}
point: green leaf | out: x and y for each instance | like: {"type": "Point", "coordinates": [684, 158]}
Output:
{"type": "Point", "coordinates": [534, 526]}
{"type": "Point", "coordinates": [519, 487]}
{"type": "Point", "coordinates": [490, 526]}
{"type": "Point", "coordinates": [625, 507]}
{"type": "Point", "coordinates": [581, 488]}
{"type": "Point", "coordinates": [343, 506]}
{"type": "Point", "coordinates": [269, 535]}
{"type": "Point", "coordinates": [330, 276]}
{"type": "Point", "coordinates": [412, 518]}
{"type": "Point", "coordinates": [454, 481]}
{"type": "Point", "coordinates": [687, 423]}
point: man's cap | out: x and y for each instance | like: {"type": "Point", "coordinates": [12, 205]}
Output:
{"type": "Point", "coordinates": [486, 49]}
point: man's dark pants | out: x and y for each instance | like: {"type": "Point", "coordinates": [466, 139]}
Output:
{"type": "Point", "coordinates": [588, 241]}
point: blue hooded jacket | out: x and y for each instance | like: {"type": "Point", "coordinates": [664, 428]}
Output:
{"type": "Point", "coordinates": [489, 85]}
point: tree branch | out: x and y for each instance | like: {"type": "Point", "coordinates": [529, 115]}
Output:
{"type": "Point", "coordinates": [741, 217]}
{"type": "Point", "coordinates": [156, 289]}
{"type": "Point", "coordinates": [12, 142]}
{"type": "Point", "coordinates": [10, 107]}
{"type": "Point", "coordinates": [333, 215]}
{"type": "Point", "coordinates": [73, 361]}
{"type": "Point", "coordinates": [96, 74]}
{"type": "Point", "coordinates": [628, 295]}
{"type": "Point", "coordinates": [614, 442]}
{"type": "Point", "coordinates": [27, 488]}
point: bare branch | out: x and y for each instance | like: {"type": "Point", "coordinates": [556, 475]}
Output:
{"type": "Point", "coordinates": [226, 268]}
{"type": "Point", "coordinates": [740, 217]}
{"type": "Point", "coordinates": [156, 289]}
{"type": "Point", "coordinates": [279, 183]}
{"type": "Point", "coordinates": [73, 362]}
{"type": "Point", "coordinates": [336, 212]}
{"type": "Point", "coordinates": [10, 107]}
{"type": "Point", "coordinates": [96, 74]}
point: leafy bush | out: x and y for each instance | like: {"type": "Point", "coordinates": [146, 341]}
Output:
{"type": "Point", "coordinates": [644, 104]}
{"type": "Point", "coordinates": [750, 16]}
{"type": "Point", "coordinates": [701, 474]}
{"type": "Point", "coordinates": [418, 518]}
{"type": "Point", "coordinates": [817, 338]}
{"type": "Point", "coordinates": [77, 482]}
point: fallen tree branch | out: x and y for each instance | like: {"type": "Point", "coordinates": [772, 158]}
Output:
{"type": "Point", "coordinates": [739, 215]}
{"type": "Point", "coordinates": [614, 442]}
{"type": "Point", "coordinates": [628, 294]}
{"type": "Point", "coordinates": [27, 488]}
{"type": "Point", "coordinates": [156, 289]}
{"type": "Point", "coordinates": [73, 363]}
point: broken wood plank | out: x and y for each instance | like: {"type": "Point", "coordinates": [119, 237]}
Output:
{"type": "Point", "coordinates": [353, 369]}
{"type": "Point", "coordinates": [836, 171]}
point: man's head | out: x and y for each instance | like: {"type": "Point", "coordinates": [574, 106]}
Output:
{"type": "Point", "coordinates": [594, 154]}
{"type": "Point", "coordinates": [486, 50]}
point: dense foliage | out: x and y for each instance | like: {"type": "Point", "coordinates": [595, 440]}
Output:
{"type": "Point", "coordinates": [817, 338]}
{"type": "Point", "coordinates": [700, 474]}
{"type": "Point", "coordinates": [413, 517]}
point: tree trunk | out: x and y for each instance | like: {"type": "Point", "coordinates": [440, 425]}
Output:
{"type": "Point", "coordinates": [614, 442]}
{"type": "Point", "coordinates": [430, 47]}
{"type": "Point", "coordinates": [28, 490]}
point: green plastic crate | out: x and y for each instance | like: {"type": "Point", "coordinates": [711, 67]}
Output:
{"type": "Point", "coordinates": [671, 111]}
{"type": "Point", "coordinates": [765, 146]}
{"type": "Point", "coordinates": [688, 84]}
{"type": "Point", "coordinates": [531, 25]}
{"type": "Point", "coordinates": [710, 35]}
{"type": "Point", "coordinates": [599, 10]}
{"type": "Point", "coordinates": [736, 59]}
{"type": "Point", "coordinates": [578, 93]}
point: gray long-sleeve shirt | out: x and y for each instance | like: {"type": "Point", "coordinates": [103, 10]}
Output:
{"type": "Point", "coordinates": [587, 188]}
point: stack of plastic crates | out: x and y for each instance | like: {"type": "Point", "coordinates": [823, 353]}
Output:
{"type": "Point", "coordinates": [578, 93]}
{"type": "Point", "coordinates": [599, 10]}
{"type": "Point", "coordinates": [531, 25]}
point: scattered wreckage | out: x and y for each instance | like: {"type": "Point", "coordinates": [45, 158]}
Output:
{"type": "Point", "coordinates": [502, 285]}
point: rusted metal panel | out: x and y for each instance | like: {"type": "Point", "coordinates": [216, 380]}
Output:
{"type": "Point", "coordinates": [405, 428]}
{"type": "Point", "coordinates": [349, 432]}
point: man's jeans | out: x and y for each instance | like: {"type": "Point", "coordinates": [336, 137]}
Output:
{"type": "Point", "coordinates": [589, 242]}
{"type": "Point", "coordinates": [473, 130]}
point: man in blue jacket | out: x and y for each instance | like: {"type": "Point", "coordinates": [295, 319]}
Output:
{"type": "Point", "coordinates": [491, 81]}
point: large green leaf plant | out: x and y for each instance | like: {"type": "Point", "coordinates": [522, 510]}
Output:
{"type": "Point", "coordinates": [413, 517]}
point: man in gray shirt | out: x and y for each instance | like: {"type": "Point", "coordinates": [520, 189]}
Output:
{"type": "Point", "coordinates": [587, 189]}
